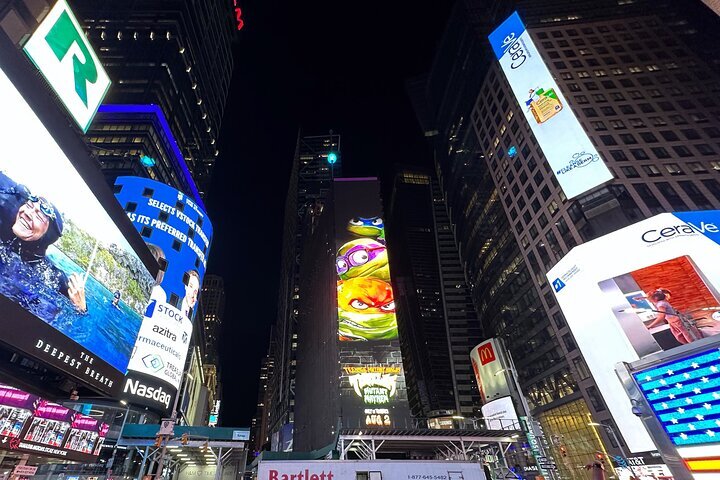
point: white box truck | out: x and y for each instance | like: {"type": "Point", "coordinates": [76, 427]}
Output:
{"type": "Point", "coordinates": [369, 470]}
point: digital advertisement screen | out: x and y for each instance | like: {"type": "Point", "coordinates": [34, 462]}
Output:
{"type": "Point", "coordinates": [31, 424]}
{"type": "Point", "coordinates": [490, 368]}
{"type": "Point", "coordinates": [178, 233]}
{"type": "Point", "coordinates": [575, 162]}
{"type": "Point", "coordinates": [372, 378]}
{"type": "Point", "coordinates": [684, 395]}
{"type": "Point", "coordinates": [72, 289]}
{"type": "Point", "coordinates": [659, 290]}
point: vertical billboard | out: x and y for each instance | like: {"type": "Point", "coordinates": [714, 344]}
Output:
{"type": "Point", "coordinates": [372, 379]}
{"type": "Point", "coordinates": [647, 288]}
{"type": "Point", "coordinates": [178, 233]}
{"type": "Point", "coordinates": [573, 158]}
{"type": "Point", "coordinates": [72, 289]}
{"type": "Point", "coordinates": [31, 424]}
{"type": "Point", "coordinates": [61, 51]}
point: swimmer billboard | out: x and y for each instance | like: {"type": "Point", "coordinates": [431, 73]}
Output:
{"type": "Point", "coordinates": [63, 260]}
{"type": "Point", "coordinates": [178, 233]}
{"type": "Point", "coordinates": [641, 290]}
{"type": "Point", "coordinates": [372, 379]}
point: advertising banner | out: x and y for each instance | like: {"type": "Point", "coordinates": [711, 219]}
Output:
{"type": "Point", "coordinates": [491, 369]}
{"type": "Point", "coordinates": [72, 290]}
{"type": "Point", "coordinates": [573, 158]}
{"type": "Point", "coordinates": [684, 395]}
{"type": "Point", "coordinates": [371, 470]}
{"type": "Point", "coordinates": [31, 424]}
{"type": "Point", "coordinates": [500, 415]}
{"type": "Point", "coordinates": [61, 51]}
{"type": "Point", "coordinates": [372, 378]}
{"type": "Point", "coordinates": [178, 234]}
{"type": "Point", "coordinates": [647, 288]}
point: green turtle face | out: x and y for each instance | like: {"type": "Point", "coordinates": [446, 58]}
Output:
{"type": "Point", "coordinates": [363, 257]}
{"type": "Point", "coordinates": [367, 227]}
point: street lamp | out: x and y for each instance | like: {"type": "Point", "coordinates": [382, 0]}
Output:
{"type": "Point", "coordinates": [610, 430]}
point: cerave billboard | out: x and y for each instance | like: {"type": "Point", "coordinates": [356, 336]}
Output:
{"type": "Point", "coordinates": [372, 378]}
{"type": "Point", "coordinates": [72, 289]}
{"type": "Point", "coordinates": [649, 287]}
{"type": "Point", "coordinates": [63, 54]}
{"type": "Point", "coordinates": [574, 160]}
{"type": "Point", "coordinates": [373, 470]}
{"type": "Point", "coordinates": [31, 424]}
{"type": "Point", "coordinates": [178, 233]}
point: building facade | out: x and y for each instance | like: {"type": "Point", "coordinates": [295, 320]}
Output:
{"type": "Point", "coordinates": [643, 92]}
{"type": "Point", "coordinates": [213, 302]}
{"type": "Point", "coordinates": [176, 55]}
{"type": "Point", "coordinates": [436, 317]}
{"type": "Point", "coordinates": [310, 182]}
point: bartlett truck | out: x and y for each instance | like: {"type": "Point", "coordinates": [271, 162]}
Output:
{"type": "Point", "coordinates": [369, 470]}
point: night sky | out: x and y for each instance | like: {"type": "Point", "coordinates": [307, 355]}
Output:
{"type": "Point", "coordinates": [316, 65]}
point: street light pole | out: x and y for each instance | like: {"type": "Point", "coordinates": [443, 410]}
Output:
{"type": "Point", "coordinates": [611, 431]}
{"type": "Point", "coordinates": [532, 423]}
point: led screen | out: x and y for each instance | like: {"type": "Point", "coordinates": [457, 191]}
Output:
{"type": "Point", "coordinates": [31, 424]}
{"type": "Point", "coordinates": [647, 288]}
{"type": "Point", "coordinates": [572, 156]}
{"type": "Point", "coordinates": [372, 379]}
{"type": "Point", "coordinates": [178, 233]}
{"type": "Point", "coordinates": [62, 259]}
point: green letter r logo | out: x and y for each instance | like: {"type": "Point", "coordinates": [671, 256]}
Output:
{"type": "Point", "coordinates": [60, 38]}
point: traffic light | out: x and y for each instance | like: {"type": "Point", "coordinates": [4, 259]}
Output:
{"type": "Point", "coordinates": [600, 457]}
{"type": "Point", "coordinates": [184, 439]}
{"type": "Point", "coordinates": [563, 451]}
{"type": "Point", "coordinates": [158, 441]}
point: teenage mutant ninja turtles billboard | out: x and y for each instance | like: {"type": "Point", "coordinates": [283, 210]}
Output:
{"type": "Point", "coordinates": [372, 378]}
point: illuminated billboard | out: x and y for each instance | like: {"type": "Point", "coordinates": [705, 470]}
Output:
{"type": "Point", "coordinates": [61, 51]}
{"type": "Point", "coordinates": [574, 160]}
{"type": "Point", "coordinates": [31, 424]}
{"type": "Point", "coordinates": [684, 395]}
{"type": "Point", "coordinates": [372, 378]}
{"type": "Point", "coordinates": [72, 290]}
{"type": "Point", "coordinates": [647, 288]}
{"type": "Point", "coordinates": [178, 233]}
{"type": "Point", "coordinates": [491, 369]}
{"type": "Point", "coordinates": [500, 414]}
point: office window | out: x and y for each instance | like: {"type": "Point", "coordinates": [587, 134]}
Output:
{"type": "Point", "coordinates": [628, 138]}
{"type": "Point", "coordinates": [639, 154]}
{"type": "Point", "coordinates": [660, 152]}
{"type": "Point", "coordinates": [637, 122]}
{"type": "Point", "coordinates": [682, 150]}
{"type": "Point", "coordinates": [630, 172]}
{"type": "Point", "coordinates": [671, 195]}
{"type": "Point", "coordinates": [651, 170]}
{"type": "Point", "coordinates": [695, 195]}
{"type": "Point", "coordinates": [674, 169]}
{"type": "Point", "coordinates": [649, 198]}
{"type": "Point", "coordinates": [618, 155]}
{"type": "Point", "coordinates": [617, 124]}
{"type": "Point", "coordinates": [608, 140]}
{"type": "Point", "coordinates": [705, 149]}
{"type": "Point", "coordinates": [696, 167]}
{"type": "Point", "coordinates": [598, 126]}
{"type": "Point", "coordinates": [691, 134]}
{"type": "Point", "coordinates": [669, 135]}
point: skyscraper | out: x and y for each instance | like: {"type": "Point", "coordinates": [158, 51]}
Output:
{"type": "Point", "coordinates": [213, 308]}
{"type": "Point", "coordinates": [173, 54]}
{"type": "Point", "coordinates": [643, 96]}
{"type": "Point", "coordinates": [436, 317]}
{"type": "Point", "coordinates": [310, 182]}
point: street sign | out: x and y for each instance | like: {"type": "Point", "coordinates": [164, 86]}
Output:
{"type": "Point", "coordinates": [241, 435]}
{"type": "Point", "coordinates": [63, 54]}
{"type": "Point", "coordinates": [166, 427]}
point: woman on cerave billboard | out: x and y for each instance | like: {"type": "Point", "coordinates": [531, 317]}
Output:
{"type": "Point", "coordinates": [178, 234]}
{"type": "Point", "coordinates": [62, 258]}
